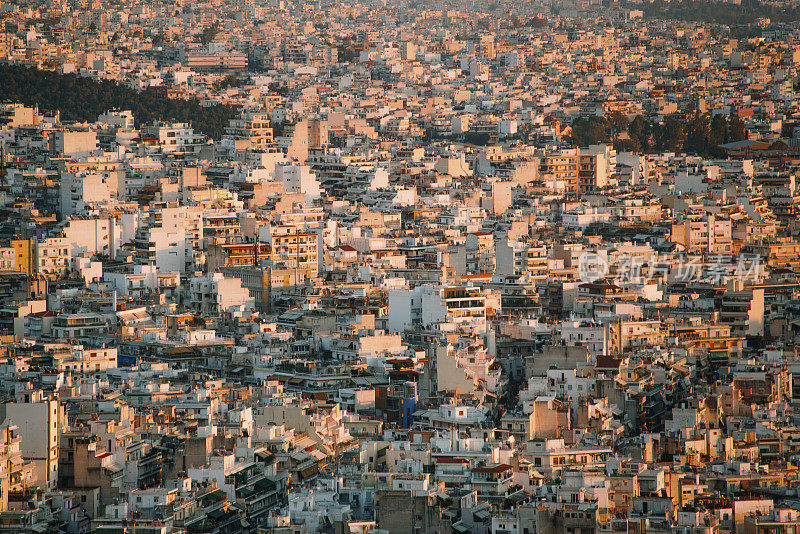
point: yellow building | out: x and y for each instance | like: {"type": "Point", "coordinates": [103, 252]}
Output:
{"type": "Point", "coordinates": [23, 255]}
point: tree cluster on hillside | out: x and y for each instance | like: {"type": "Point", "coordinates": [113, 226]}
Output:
{"type": "Point", "coordinates": [691, 132]}
{"type": "Point", "coordinates": [227, 82]}
{"type": "Point", "coordinates": [209, 33]}
{"type": "Point", "coordinates": [724, 13]}
{"type": "Point", "coordinates": [83, 99]}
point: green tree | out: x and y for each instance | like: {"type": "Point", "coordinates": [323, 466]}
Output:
{"type": "Point", "coordinates": [736, 129]}
{"type": "Point", "coordinates": [698, 130]}
{"type": "Point", "coordinates": [590, 131]}
{"type": "Point", "coordinates": [617, 122]}
{"type": "Point", "coordinates": [640, 130]}
{"type": "Point", "coordinates": [228, 81]}
{"type": "Point", "coordinates": [83, 99]}
{"type": "Point", "coordinates": [718, 132]}
{"type": "Point", "coordinates": [671, 134]}
{"type": "Point", "coordinates": [209, 33]}
{"type": "Point", "coordinates": [627, 145]}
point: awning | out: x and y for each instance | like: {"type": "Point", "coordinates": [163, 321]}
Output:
{"type": "Point", "coordinates": [309, 471]}
{"type": "Point", "coordinates": [481, 515]}
{"type": "Point", "coordinates": [319, 455]}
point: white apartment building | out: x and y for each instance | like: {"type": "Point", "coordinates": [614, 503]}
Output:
{"type": "Point", "coordinates": [171, 241]}
{"type": "Point", "coordinates": [593, 336]}
{"type": "Point", "coordinates": [93, 235]}
{"type": "Point", "coordinates": [214, 294]}
{"type": "Point", "coordinates": [298, 179]}
{"type": "Point", "coordinates": [177, 138]}
{"type": "Point", "coordinates": [429, 305]}
{"type": "Point", "coordinates": [516, 258]}
{"type": "Point", "coordinates": [52, 257]}
{"type": "Point", "coordinates": [707, 234]}
{"type": "Point", "coordinates": [87, 189]}
{"type": "Point", "coordinates": [38, 420]}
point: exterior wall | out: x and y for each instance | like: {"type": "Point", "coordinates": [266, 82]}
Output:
{"type": "Point", "coordinates": [38, 424]}
{"type": "Point", "coordinates": [93, 236]}
{"type": "Point", "coordinates": [449, 376]}
{"type": "Point", "coordinates": [73, 144]}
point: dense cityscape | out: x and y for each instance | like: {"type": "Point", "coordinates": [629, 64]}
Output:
{"type": "Point", "coordinates": [399, 267]}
